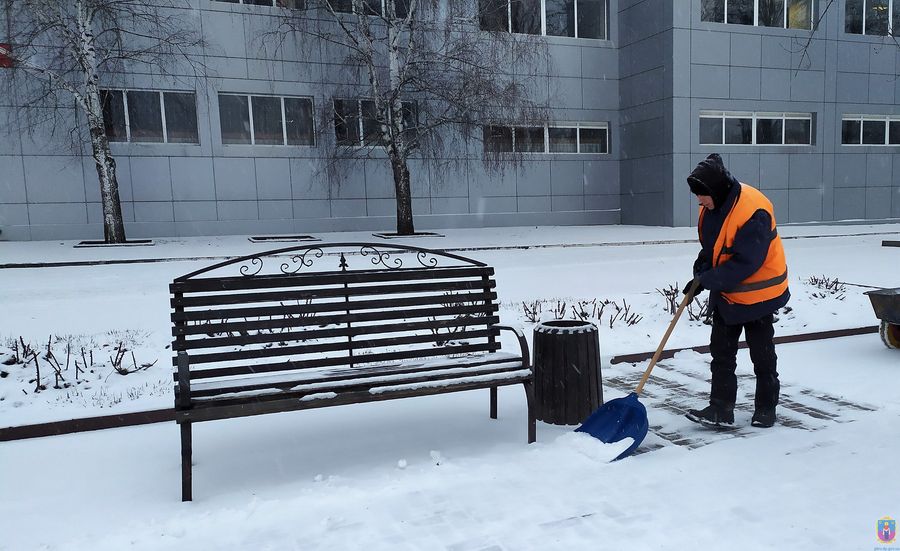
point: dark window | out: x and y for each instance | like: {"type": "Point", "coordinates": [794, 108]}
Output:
{"type": "Point", "coordinates": [493, 15]}
{"type": "Point", "coordinates": [800, 14]}
{"type": "Point", "coordinates": [498, 139]}
{"type": "Point", "coordinates": [771, 13]}
{"type": "Point", "coordinates": [563, 140]}
{"type": "Point", "coordinates": [401, 8]}
{"type": "Point", "coordinates": [713, 11]}
{"type": "Point", "coordinates": [526, 16]}
{"type": "Point", "coordinates": [738, 131]}
{"type": "Point", "coordinates": [740, 12]}
{"type": "Point", "coordinates": [853, 16]}
{"type": "Point", "coordinates": [341, 6]}
{"type": "Point", "coordinates": [372, 132]}
{"type": "Point", "coordinates": [346, 122]}
{"type": "Point", "coordinates": [797, 131]}
{"type": "Point", "coordinates": [267, 124]}
{"type": "Point", "coordinates": [769, 131]}
{"type": "Point", "coordinates": [410, 110]}
{"type": "Point", "coordinates": [894, 133]}
{"type": "Point", "coordinates": [594, 140]}
{"type": "Point", "coordinates": [372, 7]}
{"type": "Point", "coordinates": [851, 132]}
{"type": "Point", "coordinates": [877, 17]}
{"type": "Point", "coordinates": [710, 130]}
{"type": "Point", "coordinates": [144, 117]}
{"type": "Point", "coordinates": [114, 115]}
{"type": "Point", "coordinates": [299, 121]}
{"type": "Point", "coordinates": [530, 140]}
{"type": "Point", "coordinates": [560, 17]}
{"type": "Point", "coordinates": [873, 132]}
{"type": "Point", "coordinates": [592, 19]}
{"type": "Point", "coordinates": [181, 117]}
{"type": "Point", "coordinates": [895, 17]}
{"type": "Point", "coordinates": [234, 118]}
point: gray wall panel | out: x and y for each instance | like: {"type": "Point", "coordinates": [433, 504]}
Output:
{"type": "Point", "coordinates": [12, 180]}
{"type": "Point", "coordinates": [849, 203]}
{"type": "Point", "coordinates": [805, 205]}
{"type": "Point", "coordinates": [150, 179]}
{"type": "Point", "coordinates": [54, 179]}
{"type": "Point", "coordinates": [193, 211]}
{"type": "Point", "coordinates": [235, 179]}
{"type": "Point", "coordinates": [273, 178]}
{"type": "Point", "coordinates": [878, 202]}
{"type": "Point", "coordinates": [192, 179]}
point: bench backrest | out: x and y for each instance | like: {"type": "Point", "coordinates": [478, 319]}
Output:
{"type": "Point", "coordinates": [402, 303]}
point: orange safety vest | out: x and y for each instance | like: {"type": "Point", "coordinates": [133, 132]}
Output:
{"type": "Point", "coordinates": [770, 281]}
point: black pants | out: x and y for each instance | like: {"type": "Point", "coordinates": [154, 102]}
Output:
{"type": "Point", "coordinates": [724, 346]}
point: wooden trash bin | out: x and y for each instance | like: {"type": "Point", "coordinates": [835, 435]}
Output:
{"type": "Point", "coordinates": [568, 384]}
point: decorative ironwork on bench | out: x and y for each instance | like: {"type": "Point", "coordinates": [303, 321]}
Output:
{"type": "Point", "coordinates": [313, 258]}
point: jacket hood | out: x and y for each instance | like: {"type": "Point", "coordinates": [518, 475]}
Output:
{"type": "Point", "coordinates": [710, 177]}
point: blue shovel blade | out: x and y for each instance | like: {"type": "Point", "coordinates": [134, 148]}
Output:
{"type": "Point", "coordinates": [616, 420]}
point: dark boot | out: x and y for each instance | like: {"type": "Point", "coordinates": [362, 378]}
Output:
{"type": "Point", "coordinates": [713, 414]}
{"type": "Point", "coordinates": [763, 418]}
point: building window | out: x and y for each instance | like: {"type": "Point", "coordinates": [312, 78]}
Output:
{"type": "Point", "coordinates": [150, 117]}
{"type": "Point", "coordinates": [546, 139]}
{"type": "Point", "coordinates": [763, 13]}
{"type": "Point", "coordinates": [573, 18]}
{"type": "Point", "coordinates": [356, 122]}
{"type": "Point", "coordinates": [873, 17]}
{"type": "Point", "coordinates": [290, 4]}
{"type": "Point", "coordinates": [724, 128]}
{"type": "Point", "coordinates": [266, 120]}
{"type": "Point", "coordinates": [371, 7]}
{"type": "Point", "coordinates": [870, 130]}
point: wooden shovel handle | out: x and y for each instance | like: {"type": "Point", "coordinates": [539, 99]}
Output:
{"type": "Point", "coordinates": [687, 298]}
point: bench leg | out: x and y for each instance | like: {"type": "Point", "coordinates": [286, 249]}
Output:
{"type": "Point", "coordinates": [532, 420]}
{"type": "Point", "coordinates": [186, 462]}
{"type": "Point", "coordinates": [493, 402]}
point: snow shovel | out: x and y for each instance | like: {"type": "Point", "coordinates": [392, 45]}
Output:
{"type": "Point", "coordinates": [626, 417]}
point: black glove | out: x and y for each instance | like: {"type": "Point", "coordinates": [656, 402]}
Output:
{"type": "Point", "coordinates": [697, 291]}
{"type": "Point", "coordinates": [702, 264]}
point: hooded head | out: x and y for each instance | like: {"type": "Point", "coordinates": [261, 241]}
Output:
{"type": "Point", "coordinates": [711, 178]}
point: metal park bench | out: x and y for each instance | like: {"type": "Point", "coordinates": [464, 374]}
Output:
{"type": "Point", "coordinates": [310, 332]}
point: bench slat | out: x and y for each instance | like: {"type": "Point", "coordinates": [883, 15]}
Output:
{"type": "Point", "coordinates": [353, 317]}
{"type": "Point", "coordinates": [352, 331]}
{"type": "Point", "coordinates": [348, 384]}
{"type": "Point", "coordinates": [335, 292]}
{"type": "Point", "coordinates": [248, 408]}
{"type": "Point", "coordinates": [361, 345]}
{"type": "Point", "coordinates": [343, 360]}
{"type": "Point", "coordinates": [287, 380]}
{"type": "Point", "coordinates": [237, 283]}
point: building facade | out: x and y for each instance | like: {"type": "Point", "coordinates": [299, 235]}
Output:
{"type": "Point", "coordinates": [639, 91]}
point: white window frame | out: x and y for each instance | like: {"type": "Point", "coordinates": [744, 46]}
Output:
{"type": "Point", "coordinates": [162, 112]}
{"type": "Point", "coordinates": [359, 118]}
{"type": "Point", "coordinates": [245, 3]}
{"type": "Point", "coordinates": [890, 11]}
{"type": "Point", "coordinates": [887, 119]}
{"type": "Point", "coordinates": [283, 143]}
{"type": "Point", "coordinates": [547, 127]}
{"type": "Point", "coordinates": [754, 115]}
{"type": "Point", "coordinates": [784, 22]}
{"type": "Point", "coordinates": [544, 21]}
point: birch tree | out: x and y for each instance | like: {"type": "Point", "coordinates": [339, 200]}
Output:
{"type": "Point", "coordinates": [66, 47]}
{"type": "Point", "coordinates": [434, 80]}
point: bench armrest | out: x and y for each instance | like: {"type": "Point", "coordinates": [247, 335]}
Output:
{"type": "Point", "coordinates": [523, 344]}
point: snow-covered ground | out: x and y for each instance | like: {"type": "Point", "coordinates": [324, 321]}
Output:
{"type": "Point", "coordinates": [435, 472]}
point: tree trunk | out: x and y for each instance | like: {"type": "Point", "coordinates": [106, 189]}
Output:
{"type": "Point", "coordinates": [404, 196]}
{"type": "Point", "coordinates": [113, 225]}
